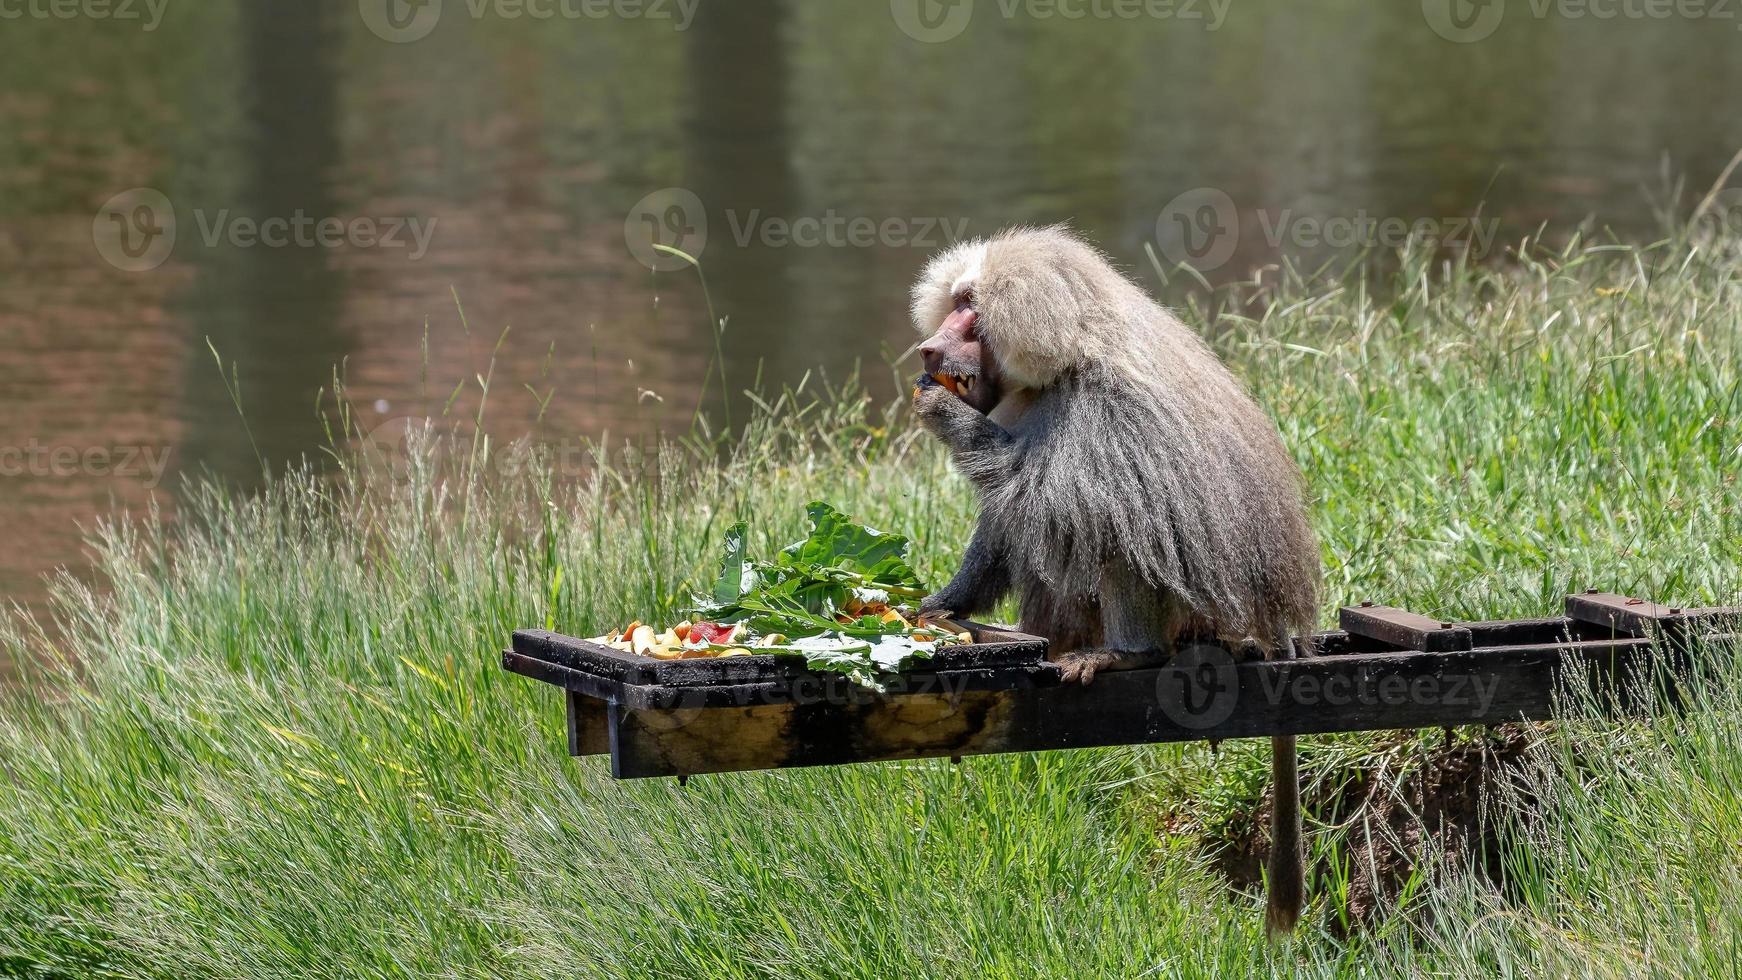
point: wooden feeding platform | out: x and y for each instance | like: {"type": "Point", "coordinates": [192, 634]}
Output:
{"type": "Point", "coordinates": [1384, 668]}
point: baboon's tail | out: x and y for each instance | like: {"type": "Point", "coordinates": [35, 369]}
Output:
{"type": "Point", "coordinates": [1287, 872]}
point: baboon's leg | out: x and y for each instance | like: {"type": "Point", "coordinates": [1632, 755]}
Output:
{"type": "Point", "coordinates": [1137, 627]}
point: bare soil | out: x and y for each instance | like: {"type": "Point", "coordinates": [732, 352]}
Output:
{"type": "Point", "coordinates": [1440, 811]}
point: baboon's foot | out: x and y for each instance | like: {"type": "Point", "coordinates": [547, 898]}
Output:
{"type": "Point", "coordinates": [1081, 666]}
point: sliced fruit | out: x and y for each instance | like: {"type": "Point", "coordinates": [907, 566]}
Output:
{"type": "Point", "coordinates": [700, 633]}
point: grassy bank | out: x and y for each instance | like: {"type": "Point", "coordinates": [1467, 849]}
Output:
{"type": "Point", "coordinates": [277, 741]}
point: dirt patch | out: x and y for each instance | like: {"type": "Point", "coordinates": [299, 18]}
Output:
{"type": "Point", "coordinates": [1413, 810]}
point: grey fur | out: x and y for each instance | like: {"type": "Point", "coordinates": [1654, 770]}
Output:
{"type": "Point", "coordinates": [1134, 494]}
{"type": "Point", "coordinates": [1145, 481]}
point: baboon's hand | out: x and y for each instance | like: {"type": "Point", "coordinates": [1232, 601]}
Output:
{"type": "Point", "coordinates": [931, 401]}
{"type": "Point", "coordinates": [944, 415]}
{"type": "Point", "coordinates": [934, 607]}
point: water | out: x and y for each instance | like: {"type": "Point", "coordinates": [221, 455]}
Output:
{"type": "Point", "coordinates": [500, 158]}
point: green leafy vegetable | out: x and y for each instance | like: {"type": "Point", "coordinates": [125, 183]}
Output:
{"type": "Point", "coordinates": [730, 585]}
{"type": "Point", "coordinates": [852, 551]}
{"type": "Point", "coordinates": [811, 588]}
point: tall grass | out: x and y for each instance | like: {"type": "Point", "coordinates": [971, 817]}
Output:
{"type": "Point", "coordinates": [276, 741]}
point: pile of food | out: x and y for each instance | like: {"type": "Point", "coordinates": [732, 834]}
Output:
{"type": "Point", "coordinates": [835, 598]}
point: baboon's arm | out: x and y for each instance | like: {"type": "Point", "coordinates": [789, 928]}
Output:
{"type": "Point", "coordinates": [982, 449]}
{"type": "Point", "coordinates": [983, 579]}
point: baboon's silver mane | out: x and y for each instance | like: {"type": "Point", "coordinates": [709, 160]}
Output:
{"type": "Point", "coordinates": [1139, 445]}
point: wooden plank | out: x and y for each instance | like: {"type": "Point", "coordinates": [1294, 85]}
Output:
{"type": "Point", "coordinates": [1626, 615]}
{"type": "Point", "coordinates": [1622, 615]}
{"type": "Point", "coordinates": [806, 687]}
{"type": "Point", "coordinates": [1203, 695]}
{"type": "Point", "coordinates": [992, 647]}
{"type": "Point", "coordinates": [566, 678]}
{"type": "Point", "coordinates": [1395, 627]}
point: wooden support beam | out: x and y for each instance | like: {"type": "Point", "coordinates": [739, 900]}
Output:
{"type": "Point", "coordinates": [589, 733]}
{"type": "Point", "coordinates": [1211, 699]}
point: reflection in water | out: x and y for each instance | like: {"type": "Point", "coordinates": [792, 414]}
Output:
{"type": "Point", "coordinates": [522, 146]}
{"type": "Point", "coordinates": [271, 311]}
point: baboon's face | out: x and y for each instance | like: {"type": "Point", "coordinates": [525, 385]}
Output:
{"type": "Point", "coordinates": [960, 360]}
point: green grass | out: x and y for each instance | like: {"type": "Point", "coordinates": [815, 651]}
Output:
{"type": "Point", "coordinates": [275, 741]}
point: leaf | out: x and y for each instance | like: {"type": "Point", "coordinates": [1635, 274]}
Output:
{"type": "Point", "coordinates": [731, 583]}
{"type": "Point", "coordinates": [802, 593]}
{"type": "Point", "coordinates": [836, 543]}
{"type": "Point", "coordinates": [865, 664]}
